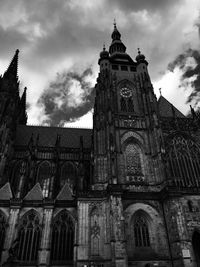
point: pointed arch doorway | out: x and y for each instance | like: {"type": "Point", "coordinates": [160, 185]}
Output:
{"type": "Point", "coordinates": [196, 247]}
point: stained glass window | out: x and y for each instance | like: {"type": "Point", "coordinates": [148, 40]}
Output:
{"type": "Point", "coordinates": [62, 244]}
{"type": "Point", "coordinates": [29, 238]}
{"type": "Point", "coordinates": [141, 232]}
{"type": "Point", "coordinates": [184, 161]}
{"type": "Point", "coordinates": [133, 161]}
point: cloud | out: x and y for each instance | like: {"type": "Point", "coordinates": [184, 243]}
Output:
{"type": "Point", "coordinates": [68, 97]}
{"type": "Point", "coordinates": [189, 64]}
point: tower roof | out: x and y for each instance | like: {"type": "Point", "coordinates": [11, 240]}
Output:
{"type": "Point", "coordinates": [116, 46]}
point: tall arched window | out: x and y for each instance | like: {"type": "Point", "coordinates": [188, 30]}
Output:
{"type": "Point", "coordinates": [29, 238]}
{"type": "Point", "coordinates": [2, 232]}
{"type": "Point", "coordinates": [141, 232]}
{"type": "Point", "coordinates": [123, 104]}
{"type": "Point", "coordinates": [62, 244]}
{"type": "Point", "coordinates": [133, 163]}
{"type": "Point", "coordinates": [95, 232]}
{"type": "Point", "coordinates": [183, 157]}
{"type": "Point", "coordinates": [44, 177]}
{"type": "Point", "coordinates": [68, 174]}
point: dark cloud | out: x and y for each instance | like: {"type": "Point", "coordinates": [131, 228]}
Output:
{"type": "Point", "coordinates": [151, 5]}
{"type": "Point", "coordinates": [189, 72]}
{"type": "Point", "coordinates": [60, 104]}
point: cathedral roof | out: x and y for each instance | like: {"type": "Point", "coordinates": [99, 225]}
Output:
{"type": "Point", "coordinates": [69, 137]}
{"type": "Point", "coordinates": [166, 109]}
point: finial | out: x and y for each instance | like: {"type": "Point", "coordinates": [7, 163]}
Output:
{"type": "Point", "coordinates": [104, 47]}
{"type": "Point", "coordinates": [114, 23]}
{"type": "Point", "coordinates": [139, 51]}
{"type": "Point", "coordinates": [17, 51]}
{"type": "Point", "coordinates": [160, 90]}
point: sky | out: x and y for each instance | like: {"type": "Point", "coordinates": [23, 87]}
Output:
{"type": "Point", "coordinates": [60, 42]}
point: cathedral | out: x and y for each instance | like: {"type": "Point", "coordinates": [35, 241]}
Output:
{"type": "Point", "coordinates": [125, 193]}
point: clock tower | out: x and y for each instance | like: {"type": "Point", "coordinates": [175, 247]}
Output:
{"type": "Point", "coordinates": [127, 138]}
{"type": "Point", "coordinates": [127, 143]}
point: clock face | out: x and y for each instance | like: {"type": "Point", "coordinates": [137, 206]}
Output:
{"type": "Point", "coordinates": [126, 92]}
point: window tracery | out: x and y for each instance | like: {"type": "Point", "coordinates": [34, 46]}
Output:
{"type": "Point", "coordinates": [95, 232]}
{"type": "Point", "coordinates": [133, 163]}
{"type": "Point", "coordinates": [29, 238]}
{"type": "Point", "coordinates": [62, 244]}
{"type": "Point", "coordinates": [141, 232]}
{"type": "Point", "coordinates": [2, 232]}
{"type": "Point", "coordinates": [184, 162]}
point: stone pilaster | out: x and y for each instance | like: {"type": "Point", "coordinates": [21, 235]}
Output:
{"type": "Point", "coordinates": [44, 254]}
{"type": "Point", "coordinates": [82, 238]}
{"type": "Point", "coordinates": [11, 230]}
{"type": "Point", "coordinates": [119, 256]}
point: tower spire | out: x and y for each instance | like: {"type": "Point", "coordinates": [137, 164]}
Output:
{"type": "Point", "coordinates": [13, 67]}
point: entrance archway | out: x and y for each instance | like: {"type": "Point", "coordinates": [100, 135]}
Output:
{"type": "Point", "coordinates": [196, 247]}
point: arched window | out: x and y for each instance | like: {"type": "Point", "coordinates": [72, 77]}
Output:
{"type": "Point", "coordinates": [62, 243]}
{"type": "Point", "coordinates": [68, 174]}
{"type": "Point", "coordinates": [133, 163]}
{"type": "Point", "coordinates": [141, 232]}
{"type": "Point", "coordinates": [95, 232]}
{"type": "Point", "coordinates": [123, 104]}
{"type": "Point", "coordinates": [29, 238]}
{"type": "Point", "coordinates": [2, 232]}
{"type": "Point", "coordinates": [184, 162]}
{"type": "Point", "coordinates": [44, 178]}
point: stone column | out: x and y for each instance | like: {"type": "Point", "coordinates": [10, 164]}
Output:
{"type": "Point", "coordinates": [44, 254]}
{"type": "Point", "coordinates": [11, 232]}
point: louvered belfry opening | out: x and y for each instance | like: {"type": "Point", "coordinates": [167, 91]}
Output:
{"type": "Point", "coordinates": [29, 236]}
{"type": "Point", "coordinates": [184, 162]}
{"type": "Point", "coordinates": [141, 232]}
{"type": "Point", "coordinates": [2, 232]}
{"type": "Point", "coordinates": [62, 243]}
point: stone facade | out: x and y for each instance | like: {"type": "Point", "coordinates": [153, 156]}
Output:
{"type": "Point", "coordinates": [125, 193]}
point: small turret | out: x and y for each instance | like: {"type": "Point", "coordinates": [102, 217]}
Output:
{"type": "Point", "coordinates": [140, 58]}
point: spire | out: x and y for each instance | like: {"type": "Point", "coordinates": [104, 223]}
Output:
{"type": "Point", "coordinates": [116, 45]}
{"type": "Point", "coordinates": [13, 67]}
{"type": "Point", "coordinates": [23, 98]}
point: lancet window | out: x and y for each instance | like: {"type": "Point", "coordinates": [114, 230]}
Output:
{"type": "Point", "coordinates": [184, 162]}
{"type": "Point", "coordinates": [62, 244]}
{"type": "Point", "coordinates": [2, 232]}
{"type": "Point", "coordinates": [68, 174]}
{"type": "Point", "coordinates": [95, 232]}
{"type": "Point", "coordinates": [29, 238]}
{"type": "Point", "coordinates": [141, 232]}
{"type": "Point", "coordinates": [44, 177]}
{"type": "Point", "coordinates": [133, 162]}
